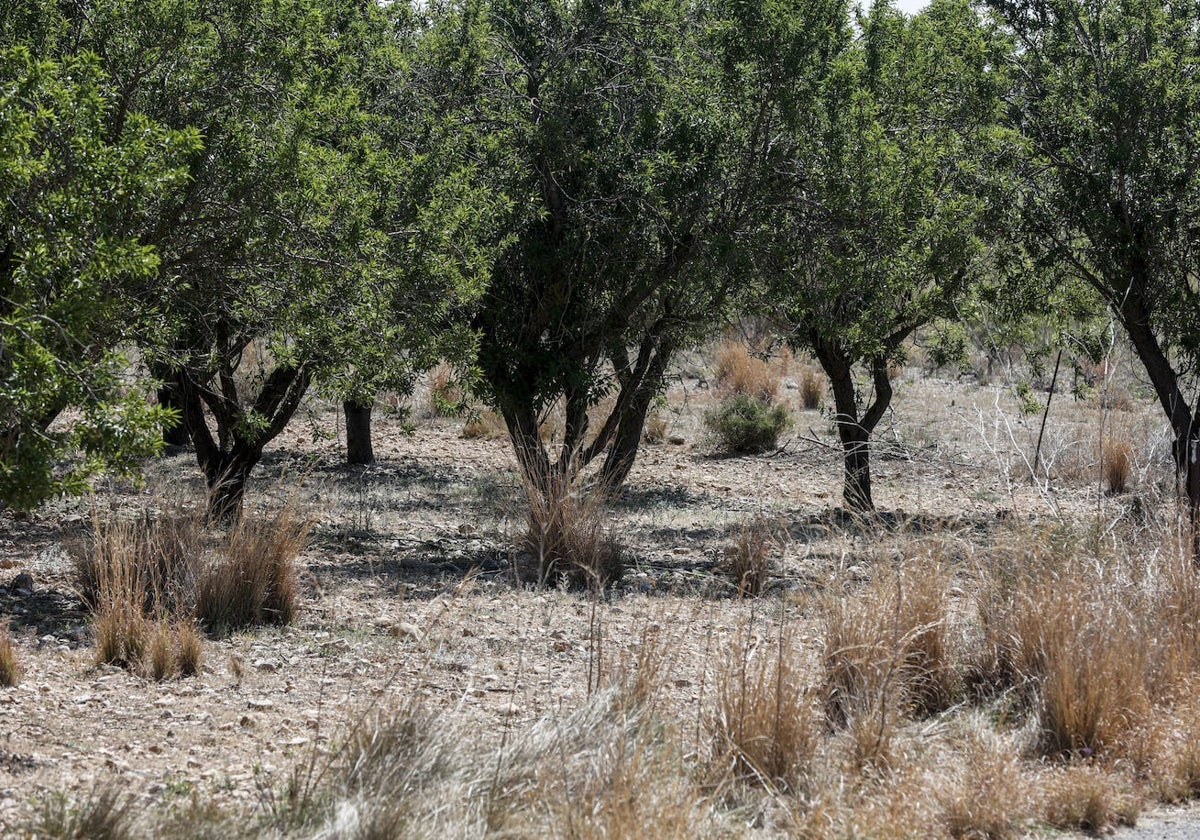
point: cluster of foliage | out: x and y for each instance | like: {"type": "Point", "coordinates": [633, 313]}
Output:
{"type": "Point", "coordinates": [263, 197]}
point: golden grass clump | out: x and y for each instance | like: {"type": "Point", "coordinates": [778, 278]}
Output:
{"type": "Point", "coordinates": [748, 559]}
{"type": "Point", "coordinates": [990, 795]}
{"type": "Point", "coordinates": [812, 388]}
{"type": "Point", "coordinates": [567, 534]}
{"type": "Point", "coordinates": [1082, 797]}
{"type": "Point", "coordinates": [1075, 646]}
{"type": "Point", "coordinates": [158, 554]}
{"type": "Point", "coordinates": [766, 726]}
{"type": "Point", "coordinates": [890, 647]}
{"type": "Point", "coordinates": [255, 581]}
{"type": "Point", "coordinates": [1117, 465]}
{"type": "Point", "coordinates": [739, 372]}
{"type": "Point", "coordinates": [10, 666]}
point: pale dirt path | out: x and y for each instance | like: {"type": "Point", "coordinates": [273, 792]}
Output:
{"type": "Point", "coordinates": [1182, 823]}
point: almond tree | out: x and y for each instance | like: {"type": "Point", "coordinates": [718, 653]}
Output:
{"type": "Point", "coordinates": [308, 241]}
{"type": "Point", "coordinates": [73, 273]}
{"type": "Point", "coordinates": [638, 143]}
{"type": "Point", "coordinates": [899, 195]}
{"type": "Point", "coordinates": [1107, 97]}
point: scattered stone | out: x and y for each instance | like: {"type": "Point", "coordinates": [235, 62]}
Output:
{"type": "Point", "coordinates": [267, 666]}
{"type": "Point", "coordinates": [22, 585]}
{"type": "Point", "coordinates": [260, 704]}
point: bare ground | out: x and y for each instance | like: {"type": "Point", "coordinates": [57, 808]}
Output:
{"type": "Point", "coordinates": [410, 591]}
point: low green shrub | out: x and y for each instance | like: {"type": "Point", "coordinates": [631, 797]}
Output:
{"type": "Point", "coordinates": [743, 423]}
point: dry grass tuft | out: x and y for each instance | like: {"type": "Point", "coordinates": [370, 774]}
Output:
{"type": "Point", "coordinates": [991, 796]}
{"type": "Point", "coordinates": [739, 372]}
{"type": "Point", "coordinates": [10, 665]}
{"type": "Point", "coordinates": [812, 388]}
{"type": "Point", "coordinates": [1086, 798]}
{"type": "Point", "coordinates": [486, 425]}
{"type": "Point", "coordinates": [766, 726]}
{"type": "Point", "coordinates": [161, 655]}
{"type": "Point", "coordinates": [890, 647]}
{"type": "Point", "coordinates": [160, 554]}
{"type": "Point", "coordinates": [105, 815]}
{"type": "Point", "coordinates": [1075, 648]}
{"type": "Point", "coordinates": [748, 560]}
{"type": "Point", "coordinates": [566, 532]}
{"type": "Point", "coordinates": [255, 581]}
{"type": "Point", "coordinates": [1117, 465]}
{"type": "Point", "coordinates": [189, 648]}
{"type": "Point", "coordinates": [120, 624]}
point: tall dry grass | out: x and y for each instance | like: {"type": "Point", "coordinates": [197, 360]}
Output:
{"type": "Point", "coordinates": [737, 371]}
{"type": "Point", "coordinates": [766, 725]}
{"type": "Point", "coordinates": [567, 532]}
{"type": "Point", "coordinates": [255, 580]}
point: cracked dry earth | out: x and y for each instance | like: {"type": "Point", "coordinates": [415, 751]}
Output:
{"type": "Point", "coordinates": [408, 588]}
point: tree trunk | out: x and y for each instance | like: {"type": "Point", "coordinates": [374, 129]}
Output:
{"type": "Point", "coordinates": [226, 477]}
{"type": "Point", "coordinates": [227, 460]}
{"type": "Point", "coordinates": [1134, 314]}
{"type": "Point", "coordinates": [853, 430]}
{"type": "Point", "coordinates": [856, 441]}
{"type": "Point", "coordinates": [176, 435]}
{"type": "Point", "coordinates": [358, 433]}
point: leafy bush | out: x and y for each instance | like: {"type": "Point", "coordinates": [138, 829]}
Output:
{"type": "Point", "coordinates": [742, 423]}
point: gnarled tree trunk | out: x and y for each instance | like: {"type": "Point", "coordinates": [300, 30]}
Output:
{"type": "Point", "coordinates": [854, 430]}
{"type": "Point", "coordinates": [359, 450]}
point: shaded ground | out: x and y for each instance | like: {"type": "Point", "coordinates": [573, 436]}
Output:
{"type": "Point", "coordinates": [410, 587]}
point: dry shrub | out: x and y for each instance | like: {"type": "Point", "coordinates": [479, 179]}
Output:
{"type": "Point", "coordinates": [739, 372]}
{"type": "Point", "coordinates": [1116, 465]}
{"type": "Point", "coordinates": [812, 388]}
{"type": "Point", "coordinates": [566, 532]}
{"type": "Point", "coordinates": [1085, 798]}
{"type": "Point", "coordinates": [487, 425]}
{"type": "Point", "coordinates": [255, 580]}
{"type": "Point", "coordinates": [160, 553]}
{"type": "Point", "coordinates": [1074, 645]}
{"type": "Point", "coordinates": [889, 647]}
{"type": "Point", "coordinates": [10, 665]}
{"type": "Point", "coordinates": [766, 726]}
{"type": "Point", "coordinates": [990, 798]}
{"type": "Point", "coordinates": [748, 560]}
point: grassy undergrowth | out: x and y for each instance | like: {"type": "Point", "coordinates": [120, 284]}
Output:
{"type": "Point", "coordinates": [1044, 680]}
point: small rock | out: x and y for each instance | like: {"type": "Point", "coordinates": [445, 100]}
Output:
{"type": "Point", "coordinates": [260, 704]}
{"type": "Point", "coordinates": [267, 666]}
{"type": "Point", "coordinates": [22, 584]}
{"type": "Point", "coordinates": [246, 721]}
{"type": "Point", "coordinates": [676, 440]}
